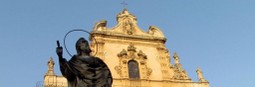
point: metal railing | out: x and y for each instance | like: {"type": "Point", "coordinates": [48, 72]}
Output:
{"type": "Point", "coordinates": [39, 84]}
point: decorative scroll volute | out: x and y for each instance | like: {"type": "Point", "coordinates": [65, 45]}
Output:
{"type": "Point", "coordinates": [122, 53]}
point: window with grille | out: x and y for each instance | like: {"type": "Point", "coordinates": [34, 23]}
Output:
{"type": "Point", "coordinates": [133, 69]}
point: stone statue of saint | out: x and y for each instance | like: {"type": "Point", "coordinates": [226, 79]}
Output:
{"type": "Point", "coordinates": [51, 64]}
{"type": "Point", "coordinates": [83, 70]}
{"type": "Point", "coordinates": [176, 58]}
{"type": "Point", "coordinates": [200, 75]}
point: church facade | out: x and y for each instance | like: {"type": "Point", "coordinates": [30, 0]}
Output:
{"type": "Point", "coordinates": [135, 58]}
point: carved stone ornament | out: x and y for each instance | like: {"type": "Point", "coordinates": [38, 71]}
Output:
{"type": "Point", "coordinates": [179, 73]}
{"type": "Point", "coordinates": [142, 55]}
{"type": "Point", "coordinates": [149, 71]}
{"type": "Point", "coordinates": [118, 69]}
{"type": "Point", "coordinates": [131, 47]}
{"type": "Point", "coordinates": [50, 67]}
{"type": "Point", "coordinates": [51, 64]}
{"type": "Point", "coordinates": [132, 54]}
{"type": "Point", "coordinates": [122, 53]}
{"type": "Point", "coordinates": [128, 27]}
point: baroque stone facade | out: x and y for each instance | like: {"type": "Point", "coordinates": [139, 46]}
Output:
{"type": "Point", "coordinates": [135, 58]}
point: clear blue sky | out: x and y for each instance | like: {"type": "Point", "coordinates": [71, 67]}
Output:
{"type": "Point", "coordinates": [216, 35]}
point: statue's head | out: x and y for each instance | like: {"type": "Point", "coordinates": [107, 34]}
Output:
{"type": "Point", "coordinates": [82, 45]}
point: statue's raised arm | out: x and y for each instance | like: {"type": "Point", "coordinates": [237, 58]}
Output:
{"type": "Point", "coordinates": [59, 50]}
{"type": "Point", "coordinates": [65, 69]}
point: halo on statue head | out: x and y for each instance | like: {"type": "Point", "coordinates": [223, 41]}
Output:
{"type": "Point", "coordinates": [80, 30]}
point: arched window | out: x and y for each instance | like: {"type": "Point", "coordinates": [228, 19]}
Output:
{"type": "Point", "coordinates": [133, 69]}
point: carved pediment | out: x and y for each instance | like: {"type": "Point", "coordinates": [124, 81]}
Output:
{"type": "Point", "coordinates": [127, 26]}
{"type": "Point", "coordinates": [131, 53]}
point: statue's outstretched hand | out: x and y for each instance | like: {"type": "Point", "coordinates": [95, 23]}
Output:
{"type": "Point", "coordinates": [59, 51]}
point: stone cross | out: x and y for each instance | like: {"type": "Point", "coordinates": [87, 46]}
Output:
{"type": "Point", "coordinates": [124, 4]}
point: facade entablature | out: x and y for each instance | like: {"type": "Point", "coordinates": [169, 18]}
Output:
{"type": "Point", "coordinates": [127, 37]}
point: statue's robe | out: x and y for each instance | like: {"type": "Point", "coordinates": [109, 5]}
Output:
{"type": "Point", "coordinates": [86, 72]}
